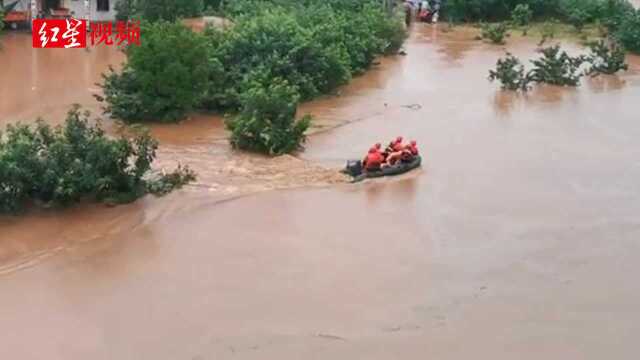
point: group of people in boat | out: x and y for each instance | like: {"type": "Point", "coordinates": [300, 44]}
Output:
{"type": "Point", "coordinates": [377, 159]}
{"type": "Point", "coordinates": [425, 10]}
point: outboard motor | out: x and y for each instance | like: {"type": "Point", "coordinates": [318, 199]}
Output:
{"type": "Point", "coordinates": [354, 168]}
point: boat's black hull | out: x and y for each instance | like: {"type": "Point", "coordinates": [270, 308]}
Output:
{"type": "Point", "coordinates": [397, 169]}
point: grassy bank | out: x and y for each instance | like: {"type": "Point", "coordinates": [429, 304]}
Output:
{"type": "Point", "coordinates": [618, 20]}
{"type": "Point", "coordinates": [548, 30]}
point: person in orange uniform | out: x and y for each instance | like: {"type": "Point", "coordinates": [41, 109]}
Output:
{"type": "Point", "coordinates": [395, 151]}
{"type": "Point", "coordinates": [378, 148]}
{"type": "Point", "coordinates": [410, 151]}
{"type": "Point", "coordinates": [384, 154]}
{"type": "Point", "coordinates": [373, 161]}
{"type": "Point", "coordinates": [396, 145]}
{"type": "Point", "coordinates": [413, 147]}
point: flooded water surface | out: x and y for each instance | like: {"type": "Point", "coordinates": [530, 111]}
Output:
{"type": "Point", "coordinates": [46, 83]}
{"type": "Point", "coordinates": [517, 239]}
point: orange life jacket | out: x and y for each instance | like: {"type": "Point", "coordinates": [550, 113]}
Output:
{"type": "Point", "coordinates": [413, 149]}
{"type": "Point", "coordinates": [374, 160]}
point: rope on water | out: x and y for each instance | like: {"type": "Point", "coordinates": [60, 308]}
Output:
{"type": "Point", "coordinates": [414, 107]}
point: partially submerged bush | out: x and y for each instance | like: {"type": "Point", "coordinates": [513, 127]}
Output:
{"type": "Point", "coordinates": [276, 46]}
{"type": "Point", "coordinates": [495, 33]}
{"type": "Point", "coordinates": [556, 67]}
{"type": "Point", "coordinates": [63, 165]}
{"type": "Point", "coordinates": [315, 46]}
{"type": "Point", "coordinates": [511, 74]}
{"type": "Point", "coordinates": [315, 49]}
{"type": "Point", "coordinates": [164, 183]}
{"type": "Point", "coordinates": [312, 46]}
{"type": "Point", "coordinates": [267, 121]}
{"type": "Point", "coordinates": [605, 59]}
{"type": "Point", "coordinates": [164, 78]}
{"type": "Point", "coordinates": [521, 15]}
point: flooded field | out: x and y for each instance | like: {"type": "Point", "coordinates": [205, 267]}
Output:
{"type": "Point", "coordinates": [46, 83]}
{"type": "Point", "coordinates": [517, 239]}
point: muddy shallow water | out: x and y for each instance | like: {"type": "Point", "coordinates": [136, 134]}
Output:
{"type": "Point", "coordinates": [518, 238]}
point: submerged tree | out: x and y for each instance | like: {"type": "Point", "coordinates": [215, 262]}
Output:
{"type": "Point", "coordinates": [165, 77]}
{"type": "Point", "coordinates": [76, 161]}
{"type": "Point", "coordinates": [511, 74]}
{"type": "Point", "coordinates": [606, 59]}
{"type": "Point", "coordinates": [267, 122]}
{"type": "Point", "coordinates": [556, 67]}
{"type": "Point", "coordinates": [496, 33]}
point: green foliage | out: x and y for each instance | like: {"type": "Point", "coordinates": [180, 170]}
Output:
{"type": "Point", "coordinates": [522, 15]}
{"type": "Point", "coordinates": [495, 33]}
{"type": "Point", "coordinates": [156, 10]}
{"type": "Point", "coordinates": [267, 121]}
{"type": "Point", "coordinates": [614, 13]}
{"type": "Point", "coordinates": [578, 17]}
{"type": "Point", "coordinates": [164, 78]}
{"type": "Point", "coordinates": [238, 8]}
{"type": "Point", "coordinates": [580, 12]}
{"type": "Point", "coordinates": [628, 32]}
{"type": "Point", "coordinates": [556, 67]}
{"type": "Point", "coordinates": [213, 4]}
{"type": "Point", "coordinates": [548, 31]}
{"type": "Point", "coordinates": [273, 45]}
{"type": "Point", "coordinates": [166, 183]}
{"type": "Point", "coordinates": [621, 19]}
{"type": "Point", "coordinates": [169, 10]}
{"type": "Point", "coordinates": [1, 21]}
{"type": "Point", "coordinates": [314, 48]}
{"type": "Point", "coordinates": [577, 12]}
{"type": "Point", "coordinates": [63, 165]}
{"type": "Point", "coordinates": [495, 10]}
{"type": "Point", "coordinates": [605, 59]}
{"type": "Point", "coordinates": [125, 9]}
{"type": "Point", "coordinates": [511, 74]}
{"type": "Point", "coordinates": [468, 10]}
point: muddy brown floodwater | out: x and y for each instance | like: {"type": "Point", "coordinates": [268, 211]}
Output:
{"type": "Point", "coordinates": [517, 239]}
